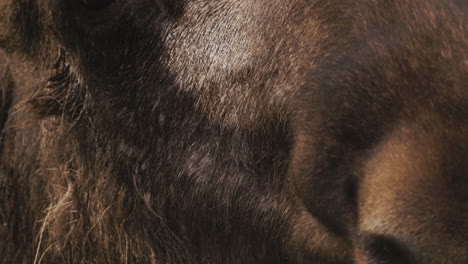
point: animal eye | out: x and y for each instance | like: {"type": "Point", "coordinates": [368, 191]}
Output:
{"type": "Point", "coordinates": [97, 4]}
{"type": "Point", "coordinates": [383, 250]}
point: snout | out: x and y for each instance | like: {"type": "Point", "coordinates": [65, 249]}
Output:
{"type": "Point", "coordinates": [412, 207]}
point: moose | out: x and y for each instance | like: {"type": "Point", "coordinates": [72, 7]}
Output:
{"type": "Point", "coordinates": [234, 131]}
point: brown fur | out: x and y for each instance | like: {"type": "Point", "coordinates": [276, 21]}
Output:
{"type": "Point", "coordinates": [234, 131]}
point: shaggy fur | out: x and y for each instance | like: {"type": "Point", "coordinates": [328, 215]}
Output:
{"type": "Point", "coordinates": [233, 131]}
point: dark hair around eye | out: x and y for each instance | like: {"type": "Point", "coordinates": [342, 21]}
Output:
{"type": "Point", "coordinates": [97, 4]}
{"type": "Point", "coordinates": [383, 250]}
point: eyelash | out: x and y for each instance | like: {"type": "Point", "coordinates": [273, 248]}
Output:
{"type": "Point", "coordinates": [96, 4]}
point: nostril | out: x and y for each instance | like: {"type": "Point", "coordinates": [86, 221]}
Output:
{"type": "Point", "coordinates": [97, 4]}
{"type": "Point", "coordinates": [380, 249]}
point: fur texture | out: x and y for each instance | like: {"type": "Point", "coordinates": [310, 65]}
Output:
{"type": "Point", "coordinates": [233, 131]}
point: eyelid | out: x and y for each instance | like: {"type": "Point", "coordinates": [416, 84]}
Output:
{"type": "Point", "coordinates": [96, 5]}
{"type": "Point", "coordinates": [384, 249]}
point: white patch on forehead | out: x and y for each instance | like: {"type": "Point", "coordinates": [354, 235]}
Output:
{"type": "Point", "coordinates": [241, 60]}
{"type": "Point", "coordinates": [212, 38]}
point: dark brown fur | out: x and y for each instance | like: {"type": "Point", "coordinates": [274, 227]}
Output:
{"type": "Point", "coordinates": [234, 131]}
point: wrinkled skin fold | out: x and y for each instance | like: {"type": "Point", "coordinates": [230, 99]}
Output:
{"type": "Point", "coordinates": [234, 131]}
